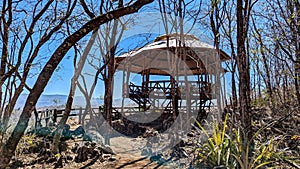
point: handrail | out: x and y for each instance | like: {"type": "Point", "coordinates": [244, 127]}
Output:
{"type": "Point", "coordinates": [45, 116]}
{"type": "Point", "coordinates": [198, 88]}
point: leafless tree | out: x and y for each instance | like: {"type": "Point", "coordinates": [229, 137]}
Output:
{"type": "Point", "coordinates": [243, 9]}
{"type": "Point", "coordinates": [8, 149]}
{"type": "Point", "coordinates": [23, 43]}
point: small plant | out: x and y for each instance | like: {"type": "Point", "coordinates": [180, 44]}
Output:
{"type": "Point", "coordinates": [57, 156]}
{"type": "Point", "coordinates": [231, 151]}
{"type": "Point", "coordinates": [216, 151]}
{"type": "Point", "coordinates": [25, 144]}
{"type": "Point", "coordinates": [263, 154]}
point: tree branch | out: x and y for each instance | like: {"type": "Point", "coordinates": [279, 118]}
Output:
{"type": "Point", "coordinates": [9, 148]}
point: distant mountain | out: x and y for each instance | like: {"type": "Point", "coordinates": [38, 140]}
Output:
{"type": "Point", "coordinates": [57, 100]}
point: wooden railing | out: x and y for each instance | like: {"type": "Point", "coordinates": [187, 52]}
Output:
{"type": "Point", "coordinates": [163, 88]}
{"type": "Point", "coordinates": [48, 116]}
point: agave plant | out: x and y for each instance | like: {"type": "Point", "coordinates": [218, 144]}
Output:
{"type": "Point", "coordinates": [231, 151]}
{"type": "Point", "coordinates": [217, 149]}
{"type": "Point", "coordinates": [263, 155]}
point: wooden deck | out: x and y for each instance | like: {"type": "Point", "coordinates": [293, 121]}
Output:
{"type": "Point", "coordinates": [156, 97]}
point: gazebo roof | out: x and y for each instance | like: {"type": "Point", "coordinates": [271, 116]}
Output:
{"type": "Point", "coordinates": [168, 52]}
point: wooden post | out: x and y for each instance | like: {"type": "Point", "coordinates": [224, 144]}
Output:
{"type": "Point", "coordinates": [36, 118]}
{"type": "Point", "coordinates": [55, 116]}
{"type": "Point", "coordinates": [80, 115]}
{"type": "Point", "coordinates": [47, 117]}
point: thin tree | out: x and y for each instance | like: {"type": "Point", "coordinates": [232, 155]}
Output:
{"type": "Point", "coordinates": [243, 10]}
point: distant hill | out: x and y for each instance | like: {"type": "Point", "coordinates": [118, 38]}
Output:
{"type": "Point", "coordinates": [57, 100]}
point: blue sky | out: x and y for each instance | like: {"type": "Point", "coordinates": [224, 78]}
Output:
{"type": "Point", "coordinates": [144, 23]}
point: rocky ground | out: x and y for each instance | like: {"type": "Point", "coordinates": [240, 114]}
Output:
{"type": "Point", "coordinates": [83, 148]}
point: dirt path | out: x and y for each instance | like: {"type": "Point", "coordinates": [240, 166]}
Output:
{"type": "Point", "coordinates": [128, 152]}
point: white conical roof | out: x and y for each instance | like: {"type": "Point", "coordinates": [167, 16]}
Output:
{"type": "Point", "coordinates": [184, 55]}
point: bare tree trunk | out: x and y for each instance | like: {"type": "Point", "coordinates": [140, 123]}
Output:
{"type": "Point", "coordinates": [6, 22]}
{"type": "Point", "coordinates": [244, 68]}
{"type": "Point", "coordinates": [108, 101]}
{"type": "Point", "coordinates": [297, 78]}
{"type": "Point", "coordinates": [68, 107]}
{"type": "Point", "coordinates": [233, 87]}
{"type": "Point", "coordinates": [9, 108]}
{"type": "Point", "coordinates": [108, 95]}
{"type": "Point", "coordinates": [215, 22]}
{"type": "Point", "coordinates": [297, 52]}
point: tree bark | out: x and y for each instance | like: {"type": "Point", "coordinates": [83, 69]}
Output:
{"type": "Point", "coordinates": [108, 95]}
{"type": "Point", "coordinates": [297, 45]}
{"type": "Point", "coordinates": [7, 5]}
{"type": "Point", "coordinates": [7, 151]}
{"type": "Point", "coordinates": [244, 69]}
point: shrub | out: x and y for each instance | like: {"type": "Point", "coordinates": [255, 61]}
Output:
{"type": "Point", "coordinates": [224, 150]}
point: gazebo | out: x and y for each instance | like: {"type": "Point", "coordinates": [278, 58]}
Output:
{"type": "Point", "coordinates": [179, 74]}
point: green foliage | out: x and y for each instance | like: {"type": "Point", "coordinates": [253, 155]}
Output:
{"type": "Point", "coordinates": [232, 151]}
{"type": "Point", "coordinates": [263, 154]}
{"type": "Point", "coordinates": [57, 156]}
{"type": "Point", "coordinates": [217, 150]}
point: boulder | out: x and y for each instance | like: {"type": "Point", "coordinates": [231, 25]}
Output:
{"type": "Point", "coordinates": [42, 132]}
{"type": "Point", "coordinates": [79, 131]}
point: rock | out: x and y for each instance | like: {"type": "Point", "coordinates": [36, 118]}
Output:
{"type": "Point", "coordinates": [107, 150]}
{"type": "Point", "coordinates": [112, 158]}
{"type": "Point", "coordinates": [183, 154]}
{"type": "Point", "coordinates": [87, 143]}
{"type": "Point", "coordinates": [181, 143]}
{"type": "Point", "coordinates": [190, 134]}
{"type": "Point", "coordinates": [66, 133]}
{"type": "Point", "coordinates": [150, 132]}
{"type": "Point", "coordinates": [93, 135]}
{"type": "Point", "coordinates": [42, 132]}
{"type": "Point", "coordinates": [86, 151]}
{"type": "Point", "coordinates": [155, 157]}
{"type": "Point", "coordinates": [189, 143]}
{"type": "Point", "coordinates": [106, 155]}
{"type": "Point", "coordinates": [93, 144]}
{"type": "Point", "coordinates": [51, 159]}
{"type": "Point", "coordinates": [158, 158]}
{"type": "Point", "coordinates": [45, 152]}
{"type": "Point", "coordinates": [146, 151]}
{"type": "Point", "coordinates": [16, 163]}
{"type": "Point", "coordinates": [78, 131]}
{"type": "Point", "coordinates": [94, 152]}
{"type": "Point", "coordinates": [82, 154]}
{"type": "Point", "coordinates": [33, 149]}
{"type": "Point", "coordinates": [75, 148]}
{"type": "Point", "coordinates": [86, 138]}
{"type": "Point", "coordinates": [69, 158]}
{"type": "Point", "coordinates": [179, 152]}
